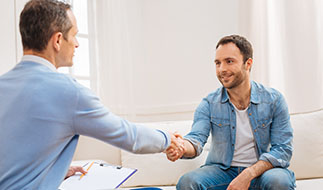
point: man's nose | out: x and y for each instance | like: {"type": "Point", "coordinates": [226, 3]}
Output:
{"type": "Point", "coordinates": [222, 67]}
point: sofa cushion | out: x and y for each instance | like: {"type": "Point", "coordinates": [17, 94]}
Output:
{"type": "Point", "coordinates": [307, 159]}
{"type": "Point", "coordinates": [156, 169]}
{"type": "Point", "coordinates": [309, 184]}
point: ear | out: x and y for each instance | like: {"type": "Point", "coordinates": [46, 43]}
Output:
{"type": "Point", "coordinates": [248, 64]}
{"type": "Point", "coordinates": [56, 40]}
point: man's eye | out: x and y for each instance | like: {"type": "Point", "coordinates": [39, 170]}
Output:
{"type": "Point", "coordinates": [229, 61]}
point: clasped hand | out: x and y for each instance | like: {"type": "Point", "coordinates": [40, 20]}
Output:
{"type": "Point", "coordinates": [177, 148]}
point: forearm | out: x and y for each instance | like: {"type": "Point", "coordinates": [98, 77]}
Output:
{"type": "Point", "coordinates": [189, 149]}
{"type": "Point", "coordinates": [258, 168]}
{"type": "Point", "coordinates": [243, 180]}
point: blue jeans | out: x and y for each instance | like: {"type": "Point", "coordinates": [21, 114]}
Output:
{"type": "Point", "coordinates": [211, 177]}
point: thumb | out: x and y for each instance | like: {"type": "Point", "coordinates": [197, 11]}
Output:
{"type": "Point", "coordinates": [176, 134]}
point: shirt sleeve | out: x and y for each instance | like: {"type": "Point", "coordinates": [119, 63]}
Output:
{"type": "Point", "coordinates": [200, 128]}
{"type": "Point", "coordinates": [92, 119]}
{"type": "Point", "coordinates": [281, 136]}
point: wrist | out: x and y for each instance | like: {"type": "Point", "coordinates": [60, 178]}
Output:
{"type": "Point", "coordinates": [250, 173]}
{"type": "Point", "coordinates": [189, 149]}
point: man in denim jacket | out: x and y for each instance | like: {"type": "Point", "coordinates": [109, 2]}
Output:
{"type": "Point", "coordinates": [250, 126]}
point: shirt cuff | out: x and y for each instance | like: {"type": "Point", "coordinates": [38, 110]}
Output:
{"type": "Point", "coordinates": [166, 137]}
{"type": "Point", "coordinates": [274, 161]}
{"type": "Point", "coordinates": [197, 146]}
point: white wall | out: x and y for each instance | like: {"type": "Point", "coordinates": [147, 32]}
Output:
{"type": "Point", "coordinates": [179, 39]}
{"type": "Point", "coordinates": [19, 5]}
{"type": "Point", "coordinates": [156, 57]}
{"type": "Point", "coordinates": [7, 36]}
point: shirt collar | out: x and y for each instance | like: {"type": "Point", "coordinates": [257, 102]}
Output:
{"type": "Point", "coordinates": [254, 97]}
{"type": "Point", "coordinates": [39, 60]}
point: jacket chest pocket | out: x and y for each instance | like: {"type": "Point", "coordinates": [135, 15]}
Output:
{"type": "Point", "coordinates": [263, 129]}
{"type": "Point", "coordinates": [220, 129]}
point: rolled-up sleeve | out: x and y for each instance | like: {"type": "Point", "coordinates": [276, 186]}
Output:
{"type": "Point", "coordinates": [281, 136]}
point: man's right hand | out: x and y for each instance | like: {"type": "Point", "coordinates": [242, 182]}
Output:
{"type": "Point", "coordinates": [177, 148]}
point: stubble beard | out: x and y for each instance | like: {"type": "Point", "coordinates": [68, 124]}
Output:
{"type": "Point", "coordinates": [237, 80]}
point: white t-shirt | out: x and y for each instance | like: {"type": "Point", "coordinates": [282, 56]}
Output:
{"type": "Point", "coordinates": [245, 150]}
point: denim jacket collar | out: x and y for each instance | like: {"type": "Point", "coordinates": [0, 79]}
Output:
{"type": "Point", "coordinates": [254, 95]}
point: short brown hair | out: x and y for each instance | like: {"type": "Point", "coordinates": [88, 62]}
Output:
{"type": "Point", "coordinates": [40, 19]}
{"type": "Point", "coordinates": [241, 42]}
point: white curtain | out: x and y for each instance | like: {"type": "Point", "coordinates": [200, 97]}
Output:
{"type": "Point", "coordinates": [287, 39]}
{"type": "Point", "coordinates": [286, 36]}
{"type": "Point", "coordinates": [111, 51]}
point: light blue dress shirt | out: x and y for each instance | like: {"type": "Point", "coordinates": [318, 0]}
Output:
{"type": "Point", "coordinates": [42, 114]}
{"type": "Point", "coordinates": [269, 119]}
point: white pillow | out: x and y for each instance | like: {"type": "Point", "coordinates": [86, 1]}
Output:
{"type": "Point", "coordinates": [156, 169]}
{"type": "Point", "coordinates": [307, 159]}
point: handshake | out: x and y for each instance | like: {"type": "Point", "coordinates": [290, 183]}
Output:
{"type": "Point", "coordinates": [177, 148]}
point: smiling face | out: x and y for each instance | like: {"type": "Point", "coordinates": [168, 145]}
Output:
{"type": "Point", "coordinates": [68, 45]}
{"type": "Point", "coordinates": [230, 68]}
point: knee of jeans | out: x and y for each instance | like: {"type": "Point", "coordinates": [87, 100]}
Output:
{"type": "Point", "coordinates": [187, 181]}
{"type": "Point", "coordinates": [279, 185]}
{"type": "Point", "coordinates": [277, 181]}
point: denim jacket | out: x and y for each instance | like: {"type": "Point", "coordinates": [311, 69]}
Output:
{"type": "Point", "coordinates": [269, 118]}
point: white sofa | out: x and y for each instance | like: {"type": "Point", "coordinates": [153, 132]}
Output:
{"type": "Point", "coordinates": [156, 170]}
